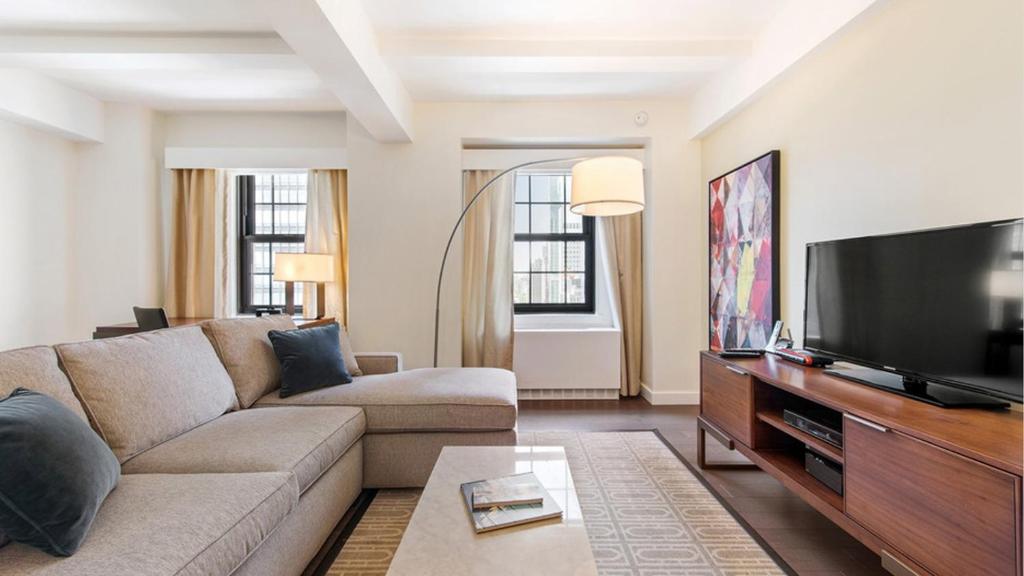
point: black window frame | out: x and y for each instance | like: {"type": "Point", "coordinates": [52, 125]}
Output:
{"type": "Point", "coordinates": [586, 236]}
{"type": "Point", "coordinates": [246, 188]}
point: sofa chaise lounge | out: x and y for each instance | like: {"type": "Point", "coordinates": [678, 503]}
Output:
{"type": "Point", "coordinates": [222, 476]}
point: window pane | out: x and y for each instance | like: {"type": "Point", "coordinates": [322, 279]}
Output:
{"type": "Point", "coordinates": [521, 257]}
{"type": "Point", "coordinates": [290, 188]}
{"type": "Point", "coordinates": [548, 288]}
{"type": "Point", "coordinates": [521, 288]}
{"type": "Point", "coordinates": [547, 188]}
{"type": "Point", "coordinates": [289, 219]}
{"type": "Point", "coordinates": [573, 222]}
{"type": "Point", "coordinates": [264, 184]}
{"type": "Point", "coordinates": [547, 256]}
{"type": "Point", "coordinates": [260, 290]}
{"type": "Point", "coordinates": [575, 256]}
{"type": "Point", "coordinates": [277, 294]}
{"type": "Point", "coordinates": [261, 258]}
{"type": "Point", "coordinates": [522, 188]}
{"type": "Point", "coordinates": [547, 218]}
{"type": "Point", "coordinates": [264, 215]}
{"type": "Point", "coordinates": [576, 289]}
{"type": "Point", "coordinates": [522, 219]}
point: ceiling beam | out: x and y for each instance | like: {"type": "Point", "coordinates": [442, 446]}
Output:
{"type": "Point", "coordinates": [476, 47]}
{"type": "Point", "coordinates": [36, 100]}
{"type": "Point", "coordinates": [149, 43]}
{"type": "Point", "coordinates": [337, 40]}
{"type": "Point", "coordinates": [116, 51]}
{"type": "Point", "coordinates": [793, 33]}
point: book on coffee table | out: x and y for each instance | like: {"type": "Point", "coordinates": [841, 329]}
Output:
{"type": "Point", "coordinates": [507, 491]}
{"type": "Point", "coordinates": [496, 517]}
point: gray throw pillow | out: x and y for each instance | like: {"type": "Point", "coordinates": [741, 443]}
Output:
{"type": "Point", "coordinates": [56, 473]}
{"type": "Point", "coordinates": [309, 358]}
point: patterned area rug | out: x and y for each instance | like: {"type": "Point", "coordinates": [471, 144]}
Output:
{"type": "Point", "coordinates": [646, 514]}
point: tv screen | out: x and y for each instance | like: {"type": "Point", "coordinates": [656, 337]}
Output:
{"type": "Point", "coordinates": [940, 305]}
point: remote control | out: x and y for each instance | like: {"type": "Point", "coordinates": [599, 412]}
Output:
{"type": "Point", "coordinates": [802, 357]}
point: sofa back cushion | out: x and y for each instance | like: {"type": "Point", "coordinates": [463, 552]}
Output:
{"type": "Point", "coordinates": [37, 369]}
{"type": "Point", "coordinates": [143, 389]}
{"type": "Point", "coordinates": [245, 350]}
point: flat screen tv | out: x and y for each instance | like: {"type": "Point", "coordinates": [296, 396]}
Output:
{"type": "Point", "coordinates": [935, 314]}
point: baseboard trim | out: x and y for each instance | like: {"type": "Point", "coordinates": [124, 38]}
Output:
{"type": "Point", "coordinates": [657, 398]}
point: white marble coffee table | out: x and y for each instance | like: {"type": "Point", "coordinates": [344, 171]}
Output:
{"type": "Point", "coordinates": [440, 539]}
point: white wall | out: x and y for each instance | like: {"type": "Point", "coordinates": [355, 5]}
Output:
{"type": "Point", "coordinates": [255, 130]}
{"type": "Point", "coordinates": [912, 119]}
{"type": "Point", "coordinates": [38, 171]}
{"type": "Point", "coordinates": [116, 221]}
{"type": "Point", "coordinates": [404, 198]}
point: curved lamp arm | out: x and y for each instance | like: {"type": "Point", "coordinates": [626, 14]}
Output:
{"type": "Point", "coordinates": [462, 216]}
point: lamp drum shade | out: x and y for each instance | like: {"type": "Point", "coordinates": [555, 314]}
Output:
{"type": "Point", "coordinates": [303, 267]}
{"type": "Point", "coordinates": [607, 186]}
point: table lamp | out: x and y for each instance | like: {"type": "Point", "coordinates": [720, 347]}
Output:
{"type": "Point", "coordinates": [291, 268]}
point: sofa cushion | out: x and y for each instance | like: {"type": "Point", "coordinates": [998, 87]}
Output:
{"type": "Point", "coordinates": [143, 389]}
{"type": "Point", "coordinates": [245, 350]}
{"type": "Point", "coordinates": [310, 359]}
{"type": "Point", "coordinates": [303, 440]}
{"type": "Point", "coordinates": [425, 399]}
{"type": "Point", "coordinates": [56, 472]}
{"type": "Point", "coordinates": [170, 525]}
{"type": "Point", "coordinates": [37, 369]}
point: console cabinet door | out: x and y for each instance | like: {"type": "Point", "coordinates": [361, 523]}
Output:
{"type": "Point", "coordinates": [726, 398]}
{"type": "Point", "coordinates": [952, 515]}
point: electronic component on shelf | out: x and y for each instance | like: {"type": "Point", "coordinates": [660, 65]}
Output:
{"type": "Point", "coordinates": [818, 422]}
{"type": "Point", "coordinates": [802, 357]}
{"type": "Point", "coordinates": [824, 470]}
{"type": "Point", "coordinates": [741, 353]}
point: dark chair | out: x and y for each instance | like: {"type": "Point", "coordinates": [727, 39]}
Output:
{"type": "Point", "coordinates": [150, 318]}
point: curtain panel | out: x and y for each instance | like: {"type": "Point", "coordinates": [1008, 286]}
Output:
{"type": "Point", "coordinates": [192, 269]}
{"type": "Point", "coordinates": [622, 238]}
{"type": "Point", "coordinates": [327, 233]}
{"type": "Point", "coordinates": [487, 309]}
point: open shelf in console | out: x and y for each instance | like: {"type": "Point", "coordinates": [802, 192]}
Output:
{"type": "Point", "coordinates": [775, 420]}
{"type": "Point", "coordinates": [782, 445]}
{"type": "Point", "coordinates": [790, 463]}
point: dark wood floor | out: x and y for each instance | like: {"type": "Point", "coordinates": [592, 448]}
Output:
{"type": "Point", "coordinates": [809, 542]}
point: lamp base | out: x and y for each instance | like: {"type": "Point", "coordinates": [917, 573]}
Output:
{"type": "Point", "coordinates": [289, 298]}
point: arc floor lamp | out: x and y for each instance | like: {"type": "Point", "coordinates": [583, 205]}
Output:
{"type": "Point", "coordinates": [601, 186]}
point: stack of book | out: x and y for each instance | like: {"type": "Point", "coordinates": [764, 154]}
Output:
{"type": "Point", "coordinates": [508, 501]}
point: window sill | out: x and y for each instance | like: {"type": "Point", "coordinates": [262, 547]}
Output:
{"type": "Point", "coordinates": [563, 323]}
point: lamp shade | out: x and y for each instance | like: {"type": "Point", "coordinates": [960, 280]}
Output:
{"type": "Point", "coordinates": [607, 186]}
{"type": "Point", "coordinates": [303, 267]}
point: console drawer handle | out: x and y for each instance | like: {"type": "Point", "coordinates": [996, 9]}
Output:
{"type": "Point", "coordinates": [867, 423]}
{"type": "Point", "coordinates": [736, 370]}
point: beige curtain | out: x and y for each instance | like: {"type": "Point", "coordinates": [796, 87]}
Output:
{"type": "Point", "coordinates": [191, 270]}
{"type": "Point", "coordinates": [622, 237]}
{"type": "Point", "coordinates": [487, 311]}
{"type": "Point", "coordinates": [225, 293]}
{"type": "Point", "coordinates": [327, 233]}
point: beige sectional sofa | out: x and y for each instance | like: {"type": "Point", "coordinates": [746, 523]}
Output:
{"type": "Point", "coordinates": [221, 476]}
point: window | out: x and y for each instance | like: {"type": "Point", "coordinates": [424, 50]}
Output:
{"type": "Point", "coordinates": [553, 269]}
{"type": "Point", "coordinates": [272, 218]}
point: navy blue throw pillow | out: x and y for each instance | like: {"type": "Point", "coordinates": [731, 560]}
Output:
{"type": "Point", "coordinates": [310, 358]}
{"type": "Point", "coordinates": [56, 473]}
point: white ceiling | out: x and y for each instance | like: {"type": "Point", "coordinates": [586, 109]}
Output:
{"type": "Point", "coordinates": [569, 49]}
{"type": "Point", "coordinates": [224, 54]}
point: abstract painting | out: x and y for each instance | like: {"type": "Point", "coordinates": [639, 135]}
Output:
{"type": "Point", "coordinates": [744, 254]}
